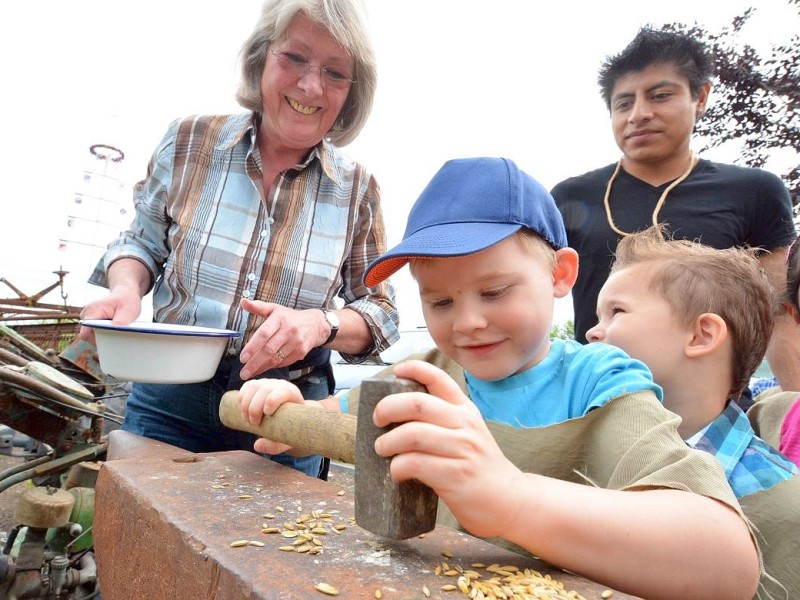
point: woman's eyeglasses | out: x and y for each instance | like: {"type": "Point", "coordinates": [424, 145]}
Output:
{"type": "Point", "coordinates": [299, 66]}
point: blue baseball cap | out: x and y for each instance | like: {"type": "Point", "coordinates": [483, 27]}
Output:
{"type": "Point", "coordinates": [468, 206]}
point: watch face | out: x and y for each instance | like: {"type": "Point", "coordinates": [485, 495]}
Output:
{"type": "Point", "coordinates": [332, 319]}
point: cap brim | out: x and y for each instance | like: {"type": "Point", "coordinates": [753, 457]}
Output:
{"type": "Point", "coordinates": [439, 241]}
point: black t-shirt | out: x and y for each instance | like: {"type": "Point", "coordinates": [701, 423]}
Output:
{"type": "Point", "coordinates": [719, 205]}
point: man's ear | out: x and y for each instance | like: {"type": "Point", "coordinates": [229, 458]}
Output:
{"type": "Point", "coordinates": [565, 272]}
{"type": "Point", "coordinates": [702, 100]}
{"type": "Point", "coordinates": [709, 332]}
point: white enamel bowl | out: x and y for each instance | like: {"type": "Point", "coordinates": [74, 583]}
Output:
{"type": "Point", "coordinates": [159, 352]}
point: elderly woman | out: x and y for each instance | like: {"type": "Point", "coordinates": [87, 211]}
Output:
{"type": "Point", "coordinates": [256, 222]}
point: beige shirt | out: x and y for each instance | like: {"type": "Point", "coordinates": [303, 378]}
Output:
{"type": "Point", "coordinates": [632, 443]}
{"type": "Point", "coordinates": [768, 411]}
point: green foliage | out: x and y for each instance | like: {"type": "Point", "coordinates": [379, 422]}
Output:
{"type": "Point", "coordinates": [564, 331]}
{"type": "Point", "coordinates": [758, 97]}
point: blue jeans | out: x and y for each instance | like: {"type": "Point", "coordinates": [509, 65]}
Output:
{"type": "Point", "coordinates": [187, 415]}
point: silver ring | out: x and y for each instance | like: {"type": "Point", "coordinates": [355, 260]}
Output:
{"type": "Point", "coordinates": [280, 355]}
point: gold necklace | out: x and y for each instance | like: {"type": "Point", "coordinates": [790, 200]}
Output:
{"type": "Point", "coordinates": [692, 162]}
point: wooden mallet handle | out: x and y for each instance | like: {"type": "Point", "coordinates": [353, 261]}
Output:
{"type": "Point", "coordinates": [308, 428]}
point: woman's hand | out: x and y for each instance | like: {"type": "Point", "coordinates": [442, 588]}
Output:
{"type": "Point", "coordinates": [260, 397]}
{"type": "Point", "coordinates": [285, 336]}
{"type": "Point", "coordinates": [122, 305]}
{"type": "Point", "coordinates": [128, 281]}
{"type": "Point", "coordinates": [442, 441]}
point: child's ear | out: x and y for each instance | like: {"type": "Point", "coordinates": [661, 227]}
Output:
{"type": "Point", "coordinates": [565, 272]}
{"type": "Point", "coordinates": [792, 311]}
{"type": "Point", "coordinates": [709, 332]}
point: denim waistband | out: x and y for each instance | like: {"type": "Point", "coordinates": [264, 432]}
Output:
{"type": "Point", "coordinates": [229, 368]}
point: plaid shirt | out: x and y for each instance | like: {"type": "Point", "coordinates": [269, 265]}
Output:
{"type": "Point", "coordinates": [209, 237]}
{"type": "Point", "coordinates": [763, 383]}
{"type": "Point", "coordinates": [750, 464]}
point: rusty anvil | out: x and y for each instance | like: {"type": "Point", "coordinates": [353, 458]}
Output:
{"type": "Point", "coordinates": [393, 510]}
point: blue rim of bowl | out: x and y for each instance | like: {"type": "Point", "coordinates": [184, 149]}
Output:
{"type": "Point", "coordinates": [143, 328]}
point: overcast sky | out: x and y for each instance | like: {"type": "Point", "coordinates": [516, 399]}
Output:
{"type": "Point", "coordinates": [457, 78]}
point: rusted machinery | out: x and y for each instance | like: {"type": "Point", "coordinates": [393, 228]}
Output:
{"type": "Point", "coordinates": [54, 417]}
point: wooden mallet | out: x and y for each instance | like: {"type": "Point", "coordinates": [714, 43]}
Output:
{"type": "Point", "coordinates": [393, 510]}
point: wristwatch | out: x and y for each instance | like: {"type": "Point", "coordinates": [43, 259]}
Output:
{"type": "Point", "coordinates": [333, 321]}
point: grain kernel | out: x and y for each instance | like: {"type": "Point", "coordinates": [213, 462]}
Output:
{"type": "Point", "coordinates": [239, 543]}
{"type": "Point", "coordinates": [606, 594]}
{"type": "Point", "coordinates": [327, 588]}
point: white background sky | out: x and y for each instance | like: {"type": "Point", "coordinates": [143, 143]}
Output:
{"type": "Point", "coordinates": [457, 78]}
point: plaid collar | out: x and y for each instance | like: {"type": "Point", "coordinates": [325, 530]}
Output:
{"type": "Point", "coordinates": [750, 464]}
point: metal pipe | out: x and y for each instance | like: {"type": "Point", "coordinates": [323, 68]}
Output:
{"type": "Point", "coordinates": [55, 465]}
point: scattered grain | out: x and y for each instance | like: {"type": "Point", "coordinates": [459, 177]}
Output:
{"type": "Point", "coordinates": [327, 588]}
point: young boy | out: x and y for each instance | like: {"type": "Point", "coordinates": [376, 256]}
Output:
{"type": "Point", "coordinates": [560, 449]}
{"type": "Point", "coordinates": [701, 318]}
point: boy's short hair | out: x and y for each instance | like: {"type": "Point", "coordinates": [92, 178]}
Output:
{"type": "Point", "coordinates": [468, 206]}
{"type": "Point", "coordinates": [695, 279]}
{"type": "Point", "coordinates": [654, 46]}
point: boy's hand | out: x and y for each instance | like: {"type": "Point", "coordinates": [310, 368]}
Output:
{"type": "Point", "coordinates": [259, 397]}
{"type": "Point", "coordinates": [442, 441]}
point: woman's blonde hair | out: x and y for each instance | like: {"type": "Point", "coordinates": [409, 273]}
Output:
{"type": "Point", "coordinates": [346, 21]}
{"type": "Point", "coordinates": [695, 279]}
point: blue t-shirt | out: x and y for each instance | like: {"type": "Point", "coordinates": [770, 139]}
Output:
{"type": "Point", "coordinates": [572, 380]}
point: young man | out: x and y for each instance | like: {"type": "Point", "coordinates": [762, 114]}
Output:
{"type": "Point", "coordinates": [700, 318]}
{"type": "Point", "coordinates": [655, 90]}
{"type": "Point", "coordinates": [549, 446]}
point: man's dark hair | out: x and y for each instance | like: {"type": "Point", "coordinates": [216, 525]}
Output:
{"type": "Point", "coordinates": [655, 46]}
